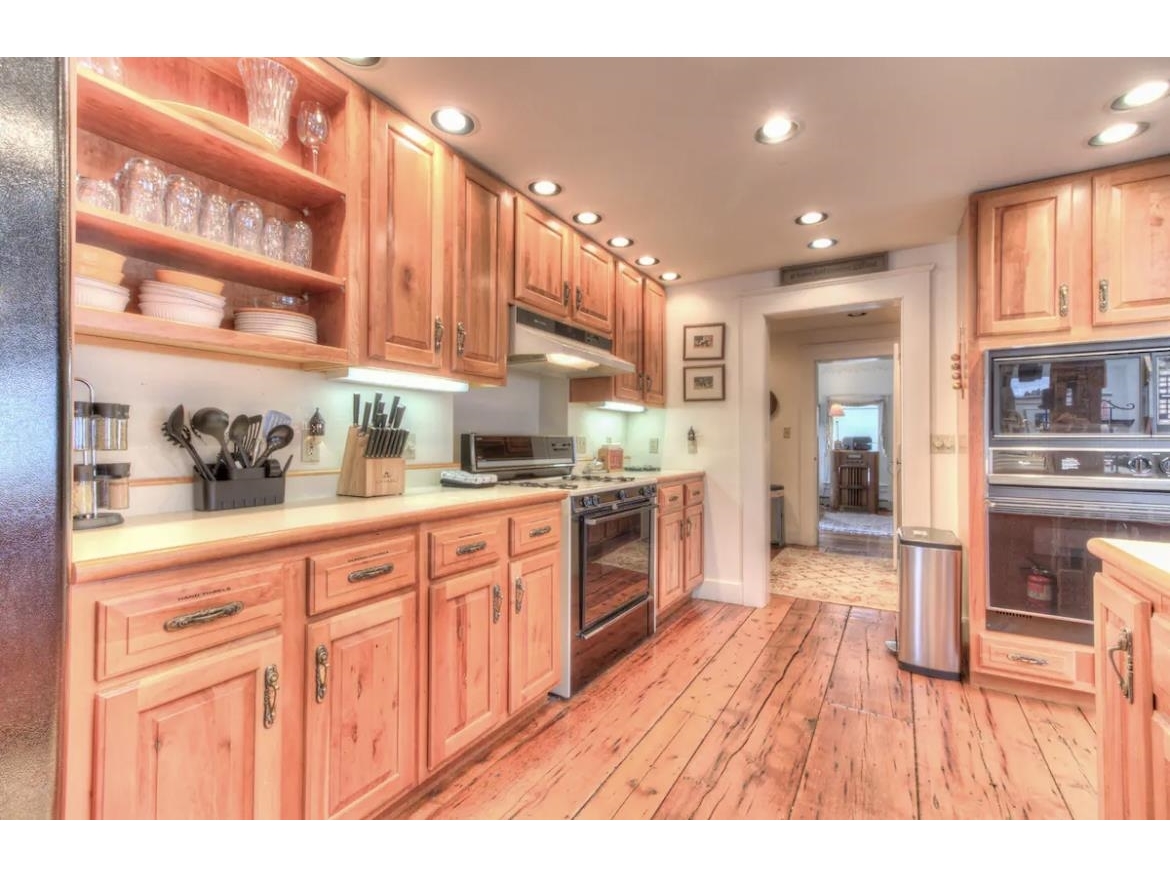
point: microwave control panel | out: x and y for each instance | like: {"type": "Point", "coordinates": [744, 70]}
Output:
{"type": "Point", "coordinates": [1162, 376]}
{"type": "Point", "coordinates": [1056, 466]}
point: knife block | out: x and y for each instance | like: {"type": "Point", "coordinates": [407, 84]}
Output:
{"type": "Point", "coordinates": [362, 476]}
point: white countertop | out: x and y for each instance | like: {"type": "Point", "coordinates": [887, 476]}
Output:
{"type": "Point", "coordinates": [1147, 560]}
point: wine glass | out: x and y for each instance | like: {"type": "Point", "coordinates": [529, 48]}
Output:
{"type": "Point", "coordinates": [312, 127]}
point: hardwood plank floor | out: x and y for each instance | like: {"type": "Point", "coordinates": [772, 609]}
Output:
{"type": "Point", "coordinates": [795, 710]}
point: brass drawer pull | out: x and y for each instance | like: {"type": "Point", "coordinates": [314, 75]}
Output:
{"type": "Point", "coordinates": [470, 548]}
{"type": "Point", "coordinates": [1027, 659]}
{"type": "Point", "coordinates": [540, 531]}
{"type": "Point", "coordinates": [203, 616]}
{"type": "Point", "coordinates": [1103, 296]}
{"type": "Point", "coordinates": [322, 662]}
{"type": "Point", "coordinates": [1124, 644]}
{"type": "Point", "coordinates": [497, 602]}
{"type": "Point", "coordinates": [438, 334]}
{"type": "Point", "coordinates": [1063, 296]}
{"type": "Point", "coordinates": [271, 686]}
{"type": "Point", "coordinates": [519, 594]}
{"type": "Point", "coordinates": [360, 575]}
{"type": "Point", "coordinates": [460, 337]}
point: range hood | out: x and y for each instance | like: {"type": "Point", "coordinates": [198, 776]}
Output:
{"type": "Point", "coordinates": [540, 344]}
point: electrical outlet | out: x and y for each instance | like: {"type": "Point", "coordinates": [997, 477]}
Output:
{"type": "Point", "coordinates": [654, 446]}
{"type": "Point", "coordinates": [311, 449]}
{"type": "Point", "coordinates": [408, 451]}
{"type": "Point", "coordinates": [582, 446]}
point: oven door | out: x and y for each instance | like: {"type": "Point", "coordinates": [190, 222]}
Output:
{"type": "Point", "coordinates": [614, 564]}
{"type": "Point", "coordinates": [1039, 571]}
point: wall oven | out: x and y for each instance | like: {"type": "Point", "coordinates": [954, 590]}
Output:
{"type": "Point", "coordinates": [1077, 446]}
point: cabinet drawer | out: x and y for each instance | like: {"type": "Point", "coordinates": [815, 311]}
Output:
{"type": "Point", "coordinates": [1052, 662]}
{"type": "Point", "coordinates": [533, 530]}
{"type": "Point", "coordinates": [693, 492]}
{"type": "Point", "coordinates": [153, 626]}
{"type": "Point", "coordinates": [467, 545]}
{"type": "Point", "coordinates": [670, 498]}
{"type": "Point", "coordinates": [349, 575]}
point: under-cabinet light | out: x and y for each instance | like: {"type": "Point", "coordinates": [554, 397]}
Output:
{"type": "Point", "coordinates": [569, 361]}
{"type": "Point", "coordinates": [380, 377]}
{"type": "Point", "coordinates": [628, 407]}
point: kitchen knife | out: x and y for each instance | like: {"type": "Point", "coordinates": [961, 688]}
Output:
{"type": "Point", "coordinates": [402, 438]}
{"type": "Point", "coordinates": [357, 407]}
{"type": "Point", "coordinates": [366, 419]}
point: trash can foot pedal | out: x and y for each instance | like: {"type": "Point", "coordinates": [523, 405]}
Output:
{"type": "Point", "coordinates": [892, 645]}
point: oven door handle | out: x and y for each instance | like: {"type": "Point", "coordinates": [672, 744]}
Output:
{"type": "Point", "coordinates": [606, 517]}
{"type": "Point", "coordinates": [1106, 511]}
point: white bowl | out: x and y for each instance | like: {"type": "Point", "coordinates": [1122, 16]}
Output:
{"type": "Point", "coordinates": [182, 313]}
{"type": "Point", "coordinates": [89, 295]}
{"type": "Point", "coordinates": [176, 299]}
{"type": "Point", "coordinates": [186, 293]}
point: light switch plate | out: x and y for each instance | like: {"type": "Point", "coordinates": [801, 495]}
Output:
{"type": "Point", "coordinates": [654, 446]}
{"type": "Point", "coordinates": [582, 446]}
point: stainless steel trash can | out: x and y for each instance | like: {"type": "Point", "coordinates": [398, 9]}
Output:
{"type": "Point", "coordinates": [929, 602]}
{"type": "Point", "coordinates": [776, 494]}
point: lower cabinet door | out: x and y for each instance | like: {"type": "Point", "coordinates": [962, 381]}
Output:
{"type": "Point", "coordinates": [693, 547]}
{"type": "Point", "coordinates": [534, 649]}
{"type": "Point", "coordinates": [197, 741]}
{"type": "Point", "coordinates": [467, 659]}
{"type": "Point", "coordinates": [670, 560]}
{"type": "Point", "coordinates": [361, 714]}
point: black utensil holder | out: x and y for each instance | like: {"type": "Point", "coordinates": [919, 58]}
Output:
{"type": "Point", "coordinates": [248, 488]}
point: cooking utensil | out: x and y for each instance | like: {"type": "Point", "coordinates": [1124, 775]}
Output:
{"type": "Point", "coordinates": [177, 433]}
{"type": "Point", "coordinates": [253, 441]}
{"type": "Point", "coordinates": [213, 422]}
{"type": "Point", "coordinates": [274, 419]}
{"type": "Point", "coordinates": [238, 433]}
{"type": "Point", "coordinates": [278, 437]}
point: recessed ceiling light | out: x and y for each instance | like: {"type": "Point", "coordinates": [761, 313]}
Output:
{"type": "Point", "coordinates": [646, 260]}
{"type": "Point", "coordinates": [822, 243]}
{"type": "Point", "coordinates": [544, 187]}
{"type": "Point", "coordinates": [587, 217]}
{"type": "Point", "coordinates": [453, 120]}
{"type": "Point", "coordinates": [669, 275]}
{"type": "Point", "coordinates": [1143, 94]}
{"type": "Point", "coordinates": [776, 130]}
{"type": "Point", "coordinates": [811, 218]}
{"type": "Point", "coordinates": [360, 62]}
{"type": "Point", "coordinates": [1117, 133]}
{"type": "Point", "coordinates": [620, 241]}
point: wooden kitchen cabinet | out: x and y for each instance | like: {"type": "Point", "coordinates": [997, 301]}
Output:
{"type": "Point", "coordinates": [593, 287]}
{"type": "Point", "coordinates": [200, 740]}
{"type": "Point", "coordinates": [534, 644]}
{"type": "Point", "coordinates": [693, 547]}
{"type": "Point", "coordinates": [671, 585]}
{"type": "Point", "coordinates": [654, 344]}
{"type": "Point", "coordinates": [361, 713]}
{"type": "Point", "coordinates": [680, 542]}
{"type": "Point", "coordinates": [544, 261]}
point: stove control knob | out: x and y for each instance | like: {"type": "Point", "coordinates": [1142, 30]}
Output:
{"type": "Point", "coordinates": [1164, 465]}
{"type": "Point", "coordinates": [623, 494]}
{"type": "Point", "coordinates": [1140, 465]}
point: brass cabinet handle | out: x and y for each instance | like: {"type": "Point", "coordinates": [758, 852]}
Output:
{"type": "Point", "coordinates": [497, 602]}
{"type": "Point", "coordinates": [1063, 297]}
{"type": "Point", "coordinates": [203, 616]}
{"type": "Point", "coordinates": [470, 548]}
{"type": "Point", "coordinates": [322, 669]}
{"type": "Point", "coordinates": [438, 334]}
{"type": "Point", "coordinates": [641, 381]}
{"type": "Point", "coordinates": [460, 337]}
{"type": "Point", "coordinates": [1124, 644]}
{"type": "Point", "coordinates": [360, 575]}
{"type": "Point", "coordinates": [1103, 296]}
{"type": "Point", "coordinates": [271, 686]}
{"type": "Point", "coordinates": [565, 293]}
{"type": "Point", "coordinates": [649, 382]}
{"type": "Point", "coordinates": [519, 594]}
{"type": "Point", "coordinates": [688, 527]}
{"type": "Point", "coordinates": [1027, 659]}
{"type": "Point", "coordinates": [540, 531]}
{"type": "Point", "coordinates": [580, 298]}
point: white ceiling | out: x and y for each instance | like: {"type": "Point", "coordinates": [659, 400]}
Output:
{"type": "Point", "coordinates": [664, 148]}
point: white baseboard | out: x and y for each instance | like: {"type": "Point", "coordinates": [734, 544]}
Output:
{"type": "Point", "coordinates": [721, 592]}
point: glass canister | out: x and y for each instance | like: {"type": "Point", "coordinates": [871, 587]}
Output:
{"type": "Point", "coordinates": [298, 244]}
{"type": "Point", "coordinates": [99, 193]}
{"type": "Point", "coordinates": [111, 426]}
{"type": "Point", "coordinates": [214, 219]}
{"type": "Point", "coordinates": [84, 494]}
{"type": "Point", "coordinates": [247, 222]}
{"type": "Point", "coordinates": [113, 485]}
{"type": "Point", "coordinates": [181, 204]}
{"type": "Point", "coordinates": [141, 186]}
{"type": "Point", "coordinates": [272, 238]}
{"type": "Point", "coordinates": [82, 426]}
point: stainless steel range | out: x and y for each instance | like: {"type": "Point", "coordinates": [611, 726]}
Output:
{"type": "Point", "coordinates": [608, 603]}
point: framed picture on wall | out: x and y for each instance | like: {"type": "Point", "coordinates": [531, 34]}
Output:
{"type": "Point", "coordinates": [704, 341]}
{"type": "Point", "coordinates": [703, 383]}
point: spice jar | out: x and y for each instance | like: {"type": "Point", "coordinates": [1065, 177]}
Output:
{"type": "Point", "coordinates": [83, 490]}
{"type": "Point", "coordinates": [82, 426]}
{"type": "Point", "coordinates": [113, 485]}
{"type": "Point", "coordinates": [111, 426]}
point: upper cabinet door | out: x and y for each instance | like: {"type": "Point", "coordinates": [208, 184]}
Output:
{"type": "Point", "coordinates": [654, 344]}
{"type": "Point", "coordinates": [593, 292]}
{"type": "Point", "coordinates": [407, 242]}
{"type": "Point", "coordinates": [1131, 245]}
{"type": "Point", "coordinates": [627, 333]}
{"type": "Point", "coordinates": [485, 258]}
{"type": "Point", "coordinates": [544, 249]}
{"type": "Point", "coordinates": [1026, 262]}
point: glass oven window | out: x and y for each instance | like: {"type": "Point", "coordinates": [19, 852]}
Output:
{"type": "Point", "coordinates": [616, 564]}
{"type": "Point", "coordinates": [1091, 394]}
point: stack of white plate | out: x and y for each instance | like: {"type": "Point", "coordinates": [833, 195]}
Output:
{"type": "Point", "coordinates": [278, 323]}
{"type": "Point", "coordinates": [182, 304]}
{"type": "Point", "coordinates": [89, 292]}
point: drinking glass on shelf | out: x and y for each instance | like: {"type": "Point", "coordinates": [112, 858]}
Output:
{"type": "Point", "coordinates": [268, 87]}
{"type": "Point", "coordinates": [214, 223]}
{"type": "Point", "coordinates": [272, 238]}
{"type": "Point", "coordinates": [99, 193]}
{"type": "Point", "coordinates": [181, 204]}
{"type": "Point", "coordinates": [142, 184]}
{"type": "Point", "coordinates": [247, 221]}
{"type": "Point", "coordinates": [298, 244]}
{"type": "Point", "coordinates": [312, 127]}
